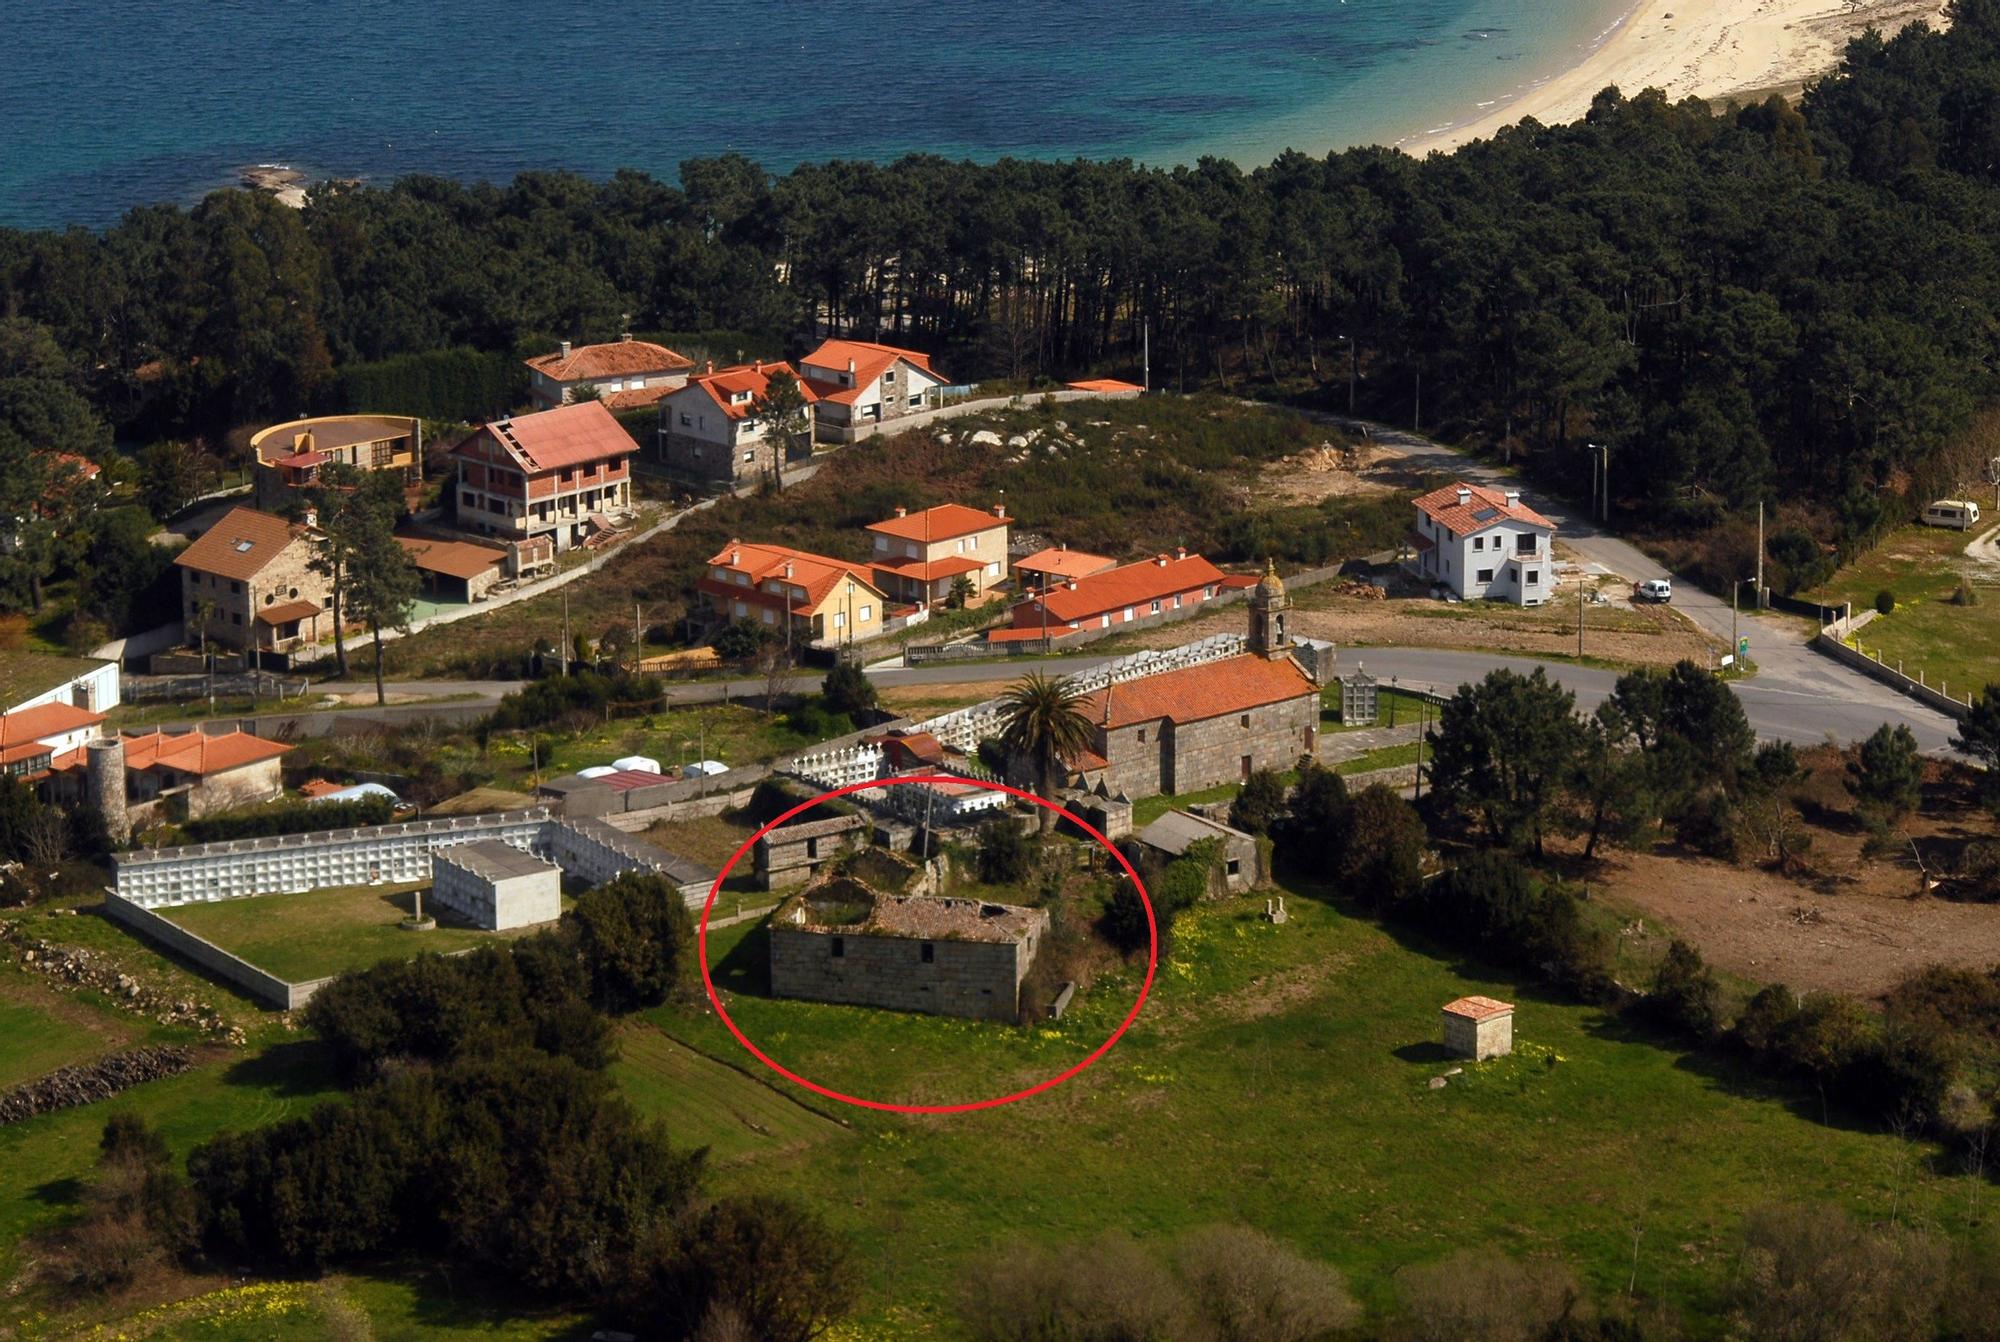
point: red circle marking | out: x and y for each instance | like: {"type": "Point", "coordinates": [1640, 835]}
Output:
{"type": "Point", "coordinates": [715, 998]}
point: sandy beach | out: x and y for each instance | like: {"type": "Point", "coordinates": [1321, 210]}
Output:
{"type": "Point", "coordinates": [1704, 48]}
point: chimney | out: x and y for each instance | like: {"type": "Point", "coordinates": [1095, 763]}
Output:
{"type": "Point", "coordinates": [312, 517]}
{"type": "Point", "coordinates": [1464, 496]}
{"type": "Point", "coordinates": [708, 366]}
{"type": "Point", "coordinates": [901, 511]}
{"type": "Point", "coordinates": [1000, 510]}
{"type": "Point", "coordinates": [735, 552]}
{"type": "Point", "coordinates": [1160, 561]}
{"type": "Point", "coordinates": [1071, 584]}
{"type": "Point", "coordinates": [1513, 498]}
{"type": "Point", "coordinates": [788, 569]}
{"type": "Point", "coordinates": [1180, 552]}
{"type": "Point", "coordinates": [850, 368]}
{"type": "Point", "coordinates": [565, 349]}
{"type": "Point", "coordinates": [625, 335]}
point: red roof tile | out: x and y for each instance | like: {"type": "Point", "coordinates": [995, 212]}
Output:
{"type": "Point", "coordinates": [197, 752]}
{"type": "Point", "coordinates": [1195, 693]}
{"type": "Point", "coordinates": [240, 545]}
{"type": "Point", "coordinates": [569, 435]}
{"type": "Point", "coordinates": [1064, 563]}
{"type": "Point", "coordinates": [918, 571]}
{"type": "Point", "coordinates": [1131, 585]}
{"type": "Point", "coordinates": [870, 362]}
{"type": "Point", "coordinates": [286, 612]}
{"type": "Point", "coordinates": [1483, 508]}
{"type": "Point", "coordinates": [724, 385]}
{"type": "Point", "coordinates": [1103, 385]}
{"type": "Point", "coordinates": [947, 521]}
{"type": "Point", "coordinates": [815, 574]}
{"type": "Point", "coordinates": [1478, 1008]}
{"type": "Point", "coordinates": [51, 719]}
{"type": "Point", "coordinates": [619, 358]}
{"type": "Point", "coordinates": [454, 559]}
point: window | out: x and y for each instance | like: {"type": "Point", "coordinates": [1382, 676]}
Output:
{"type": "Point", "coordinates": [1155, 609]}
{"type": "Point", "coordinates": [1207, 593]}
{"type": "Point", "coordinates": [1128, 613]}
{"type": "Point", "coordinates": [1234, 867]}
{"type": "Point", "coordinates": [1243, 721]}
{"type": "Point", "coordinates": [687, 420]}
{"type": "Point", "coordinates": [1142, 736]}
{"type": "Point", "coordinates": [1246, 768]}
{"type": "Point", "coordinates": [812, 848]}
{"type": "Point", "coordinates": [928, 952]}
{"type": "Point", "coordinates": [749, 456]}
{"type": "Point", "coordinates": [1524, 544]}
{"type": "Point", "coordinates": [1479, 542]}
{"type": "Point", "coordinates": [881, 542]}
{"type": "Point", "coordinates": [1534, 576]}
{"type": "Point", "coordinates": [916, 400]}
{"type": "Point", "coordinates": [1483, 575]}
{"type": "Point", "coordinates": [837, 948]}
{"type": "Point", "coordinates": [1177, 600]}
{"type": "Point", "coordinates": [270, 598]}
{"type": "Point", "coordinates": [889, 376]}
{"type": "Point", "coordinates": [770, 617]}
{"type": "Point", "coordinates": [865, 614]}
{"type": "Point", "coordinates": [236, 589]}
{"type": "Point", "coordinates": [840, 619]}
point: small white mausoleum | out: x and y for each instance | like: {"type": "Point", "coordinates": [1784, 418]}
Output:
{"type": "Point", "coordinates": [495, 885]}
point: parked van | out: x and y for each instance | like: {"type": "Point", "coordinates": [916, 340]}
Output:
{"type": "Point", "coordinates": [1956, 514]}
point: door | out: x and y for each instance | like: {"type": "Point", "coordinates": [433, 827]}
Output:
{"type": "Point", "coordinates": [1246, 765]}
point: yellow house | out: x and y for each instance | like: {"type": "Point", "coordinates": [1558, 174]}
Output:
{"type": "Point", "coordinates": [827, 601]}
{"type": "Point", "coordinates": [918, 556]}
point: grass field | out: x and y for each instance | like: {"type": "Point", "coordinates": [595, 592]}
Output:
{"type": "Point", "coordinates": [41, 1030]}
{"type": "Point", "coordinates": [707, 1103]}
{"type": "Point", "coordinates": [1279, 1076]}
{"type": "Point", "coordinates": [1921, 566]}
{"type": "Point", "coordinates": [309, 936]}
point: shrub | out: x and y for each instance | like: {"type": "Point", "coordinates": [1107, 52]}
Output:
{"type": "Point", "coordinates": [1259, 804]}
{"type": "Point", "coordinates": [847, 690]}
{"type": "Point", "coordinates": [636, 940]}
{"type": "Point", "coordinates": [1885, 601]}
{"type": "Point", "coordinates": [739, 641]}
{"type": "Point", "coordinates": [1249, 1287]}
{"type": "Point", "coordinates": [1485, 1296]}
{"type": "Point", "coordinates": [138, 1214]}
{"type": "Point", "coordinates": [1965, 594]}
{"type": "Point", "coordinates": [772, 1267]}
{"type": "Point", "coordinates": [1105, 1291]}
{"type": "Point", "coordinates": [1886, 772]}
{"type": "Point", "coordinates": [1684, 995]}
{"type": "Point", "coordinates": [1124, 921]}
{"type": "Point", "coordinates": [1311, 836]}
{"type": "Point", "coordinates": [1006, 854]}
{"type": "Point", "coordinates": [1383, 864]}
{"type": "Point", "coordinates": [1813, 1272]}
{"type": "Point", "coordinates": [1766, 1023]}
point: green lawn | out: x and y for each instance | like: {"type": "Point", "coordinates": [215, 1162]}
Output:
{"type": "Point", "coordinates": [1382, 757]}
{"type": "Point", "coordinates": [1921, 566]}
{"type": "Point", "coordinates": [40, 1031]}
{"type": "Point", "coordinates": [707, 1103]}
{"type": "Point", "coordinates": [1279, 1077]}
{"type": "Point", "coordinates": [309, 936]}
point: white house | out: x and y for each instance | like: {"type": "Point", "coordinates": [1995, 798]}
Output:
{"type": "Point", "coordinates": [711, 433]}
{"type": "Point", "coordinates": [859, 384]}
{"type": "Point", "coordinates": [1485, 543]}
{"type": "Point", "coordinates": [31, 678]}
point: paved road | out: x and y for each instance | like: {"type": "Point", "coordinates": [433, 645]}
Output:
{"type": "Point", "coordinates": [1797, 694]}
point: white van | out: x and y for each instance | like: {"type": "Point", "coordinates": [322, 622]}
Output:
{"type": "Point", "coordinates": [1955, 514]}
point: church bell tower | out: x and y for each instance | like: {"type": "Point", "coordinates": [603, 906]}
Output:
{"type": "Point", "coordinates": [1269, 610]}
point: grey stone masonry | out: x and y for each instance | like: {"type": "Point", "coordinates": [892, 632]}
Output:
{"type": "Point", "coordinates": [918, 953]}
{"type": "Point", "coordinates": [792, 854]}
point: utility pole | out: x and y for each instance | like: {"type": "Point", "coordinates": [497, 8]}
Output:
{"type": "Point", "coordinates": [638, 636]}
{"type": "Point", "coordinates": [1579, 614]}
{"type": "Point", "coordinates": [1423, 728]}
{"type": "Point", "coordinates": [1417, 414]}
{"type": "Point", "coordinates": [1759, 593]}
{"type": "Point", "coordinates": [1735, 594]}
{"type": "Point", "coordinates": [564, 651]}
{"type": "Point", "coordinates": [1146, 376]}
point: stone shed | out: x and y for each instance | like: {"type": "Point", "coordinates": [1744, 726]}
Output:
{"type": "Point", "coordinates": [793, 854]}
{"type": "Point", "coordinates": [496, 886]}
{"type": "Point", "coordinates": [1479, 1028]}
{"type": "Point", "coordinates": [1175, 832]}
{"type": "Point", "coordinates": [840, 941]}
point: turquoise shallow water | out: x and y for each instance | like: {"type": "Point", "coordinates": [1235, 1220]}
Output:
{"type": "Point", "coordinates": [112, 103]}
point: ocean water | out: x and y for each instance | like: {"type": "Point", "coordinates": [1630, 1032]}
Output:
{"type": "Point", "coordinates": [113, 103]}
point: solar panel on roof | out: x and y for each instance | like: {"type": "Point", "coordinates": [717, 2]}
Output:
{"type": "Point", "coordinates": [1484, 514]}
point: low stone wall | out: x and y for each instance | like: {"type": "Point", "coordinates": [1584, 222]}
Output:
{"type": "Point", "coordinates": [92, 1081]}
{"type": "Point", "coordinates": [860, 433]}
{"type": "Point", "coordinates": [266, 988]}
{"type": "Point", "coordinates": [1928, 695]}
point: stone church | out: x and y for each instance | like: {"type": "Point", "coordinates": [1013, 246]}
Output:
{"type": "Point", "coordinates": [1214, 723]}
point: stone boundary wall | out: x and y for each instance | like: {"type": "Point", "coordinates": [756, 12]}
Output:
{"type": "Point", "coordinates": [1930, 696]}
{"type": "Point", "coordinates": [863, 432]}
{"type": "Point", "coordinates": [266, 988]}
{"type": "Point", "coordinates": [85, 1083]}
{"type": "Point", "coordinates": [923, 654]}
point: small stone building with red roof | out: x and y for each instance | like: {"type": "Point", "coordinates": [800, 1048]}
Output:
{"type": "Point", "coordinates": [825, 600]}
{"type": "Point", "coordinates": [627, 374]}
{"type": "Point", "coordinates": [560, 475]}
{"type": "Point", "coordinates": [1485, 544]}
{"type": "Point", "coordinates": [919, 556]}
{"type": "Point", "coordinates": [860, 385]}
{"type": "Point", "coordinates": [711, 436]}
{"type": "Point", "coordinates": [1156, 586]}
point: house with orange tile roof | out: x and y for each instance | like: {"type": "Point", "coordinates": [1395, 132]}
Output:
{"type": "Point", "coordinates": [627, 374]}
{"type": "Point", "coordinates": [1484, 544]}
{"type": "Point", "coordinates": [562, 475]}
{"type": "Point", "coordinates": [1056, 565]}
{"type": "Point", "coordinates": [804, 597]}
{"type": "Point", "coordinates": [711, 433]}
{"type": "Point", "coordinates": [32, 738]}
{"type": "Point", "coordinates": [918, 557]}
{"type": "Point", "coordinates": [249, 581]}
{"type": "Point", "coordinates": [861, 385]}
{"type": "Point", "coordinates": [1157, 586]}
{"type": "Point", "coordinates": [175, 776]}
{"type": "Point", "coordinates": [290, 456]}
{"type": "Point", "coordinates": [1211, 723]}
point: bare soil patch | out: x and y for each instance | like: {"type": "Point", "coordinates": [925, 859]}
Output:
{"type": "Point", "coordinates": [1330, 470]}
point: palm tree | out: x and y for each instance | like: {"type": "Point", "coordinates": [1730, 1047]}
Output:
{"type": "Point", "coordinates": [1041, 724]}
